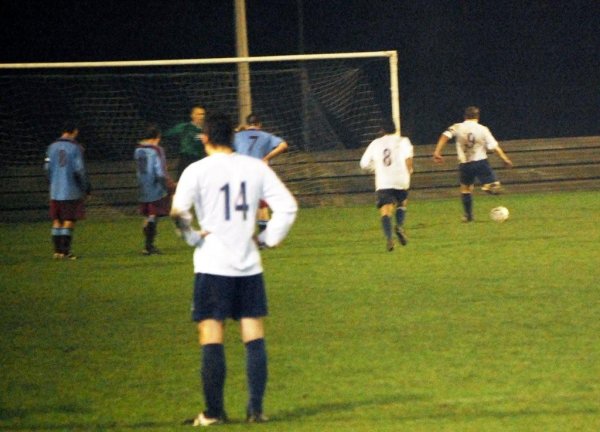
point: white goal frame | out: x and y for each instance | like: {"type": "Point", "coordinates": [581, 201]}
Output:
{"type": "Point", "coordinates": [391, 55]}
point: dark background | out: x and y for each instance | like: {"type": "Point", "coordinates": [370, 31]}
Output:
{"type": "Point", "coordinates": [532, 66]}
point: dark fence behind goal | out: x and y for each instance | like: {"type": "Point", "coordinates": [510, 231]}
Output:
{"type": "Point", "coordinates": [328, 178]}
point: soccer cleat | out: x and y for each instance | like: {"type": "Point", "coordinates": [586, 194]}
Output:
{"type": "Point", "coordinates": [256, 418]}
{"type": "Point", "coordinates": [58, 256]}
{"type": "Point", "coordinates": [389, 245]}
{"type": "Point", "coordinates": [71, 257]}
{"type": "Point", "coordinates": [467, 219]}
{"type": "Point", "coordinates": [491, 188]}
{"type": "Point", "coordinates": [201, 420]}
{"type": "Point", "coordinates": [401, 236]}
{"type": "Point", "coordinates": [151, 251]}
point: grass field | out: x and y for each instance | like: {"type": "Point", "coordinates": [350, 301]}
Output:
{"type": "Point", "coordinates": [471, 327]}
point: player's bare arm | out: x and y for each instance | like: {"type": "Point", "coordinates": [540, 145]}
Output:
{"type": "Point", "coordinates": [410, 165]}
{"type": "Point", "coordinates": [282, 147]}
{"type": "Point", "coordinates": [437, 153]}
{"type": "Point", "coordinates": [504, 158]}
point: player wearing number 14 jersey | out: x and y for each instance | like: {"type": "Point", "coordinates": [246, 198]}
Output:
{"type": "Point", "coordinates": [391, 158]}
{"type": "Point", "coordinates": [224, 189]}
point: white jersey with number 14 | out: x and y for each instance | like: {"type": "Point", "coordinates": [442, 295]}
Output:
{"type": "Point", "coordinates": [225, 190]}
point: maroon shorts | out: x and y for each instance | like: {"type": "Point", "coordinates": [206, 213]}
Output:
{"type": "Point", "coordinates": [160, 207]}
{"type": "Point", "coordinates": [71, 210]}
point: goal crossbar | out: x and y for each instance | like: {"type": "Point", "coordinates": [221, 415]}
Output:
{"type": "Point", "coordinates": [391, 55]}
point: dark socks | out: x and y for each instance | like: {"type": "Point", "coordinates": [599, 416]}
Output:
{"type": "Point", "coordinates": [61, 240]}
{"type": "Point", "coordinates": [256, 371]}
{"type": "Point", "coordinates": [56, 240]}
{"type": "Point", "coordinates": [150, 233]}
{"type": "Point", "coordinates": [213, 378]}
{"type": "Point", "coordinates": [400, 212]}
{"type": "Point", "coordinates": [386, 224]}
{"type": "Point", "coordinates": [67, 238]}
{"type": "Point", "coordinates": [467, 202]}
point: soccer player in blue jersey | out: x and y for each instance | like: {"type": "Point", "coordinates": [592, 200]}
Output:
{"type": "Point", "coordinates": [257, 143]}
{"type": "Point", "coordinates": [224, 190]}
{"type": "Point", "coordinates": [473, 141]}
{"type": "Point", "coordinates": [69, 186]}
{"type": "Point", "coordinates": [154, 183]}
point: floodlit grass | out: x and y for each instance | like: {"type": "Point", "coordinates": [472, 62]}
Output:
{"type": "Point", "coordinates": [471, 327]}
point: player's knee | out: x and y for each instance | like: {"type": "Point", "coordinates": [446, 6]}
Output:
{"type": "Point", "coordinates": [210, 332]}
{"type": "Point", "coordinates": [251, 329]}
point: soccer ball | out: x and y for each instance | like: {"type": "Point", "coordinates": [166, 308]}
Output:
{"type": "Point", "coordinates": [499, 214]}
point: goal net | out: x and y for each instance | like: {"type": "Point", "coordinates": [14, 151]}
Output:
{"type": "Point", "coordinates": [320, 104]}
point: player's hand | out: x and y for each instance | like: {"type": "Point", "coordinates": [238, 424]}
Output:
{"type": "Point", "coordinates": [260, 244]}
{"type": "Point", "coordinates": [438, 158]}
{"type": "Point", "coordinates": [182, 223]}
{"type": "Point", "coordinates": [508, 163]}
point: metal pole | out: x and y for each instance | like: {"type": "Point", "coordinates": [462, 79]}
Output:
{"type": "Point", "coordinates": [244, 91]}
{"type": "Point", "coordinates": [394, 90]}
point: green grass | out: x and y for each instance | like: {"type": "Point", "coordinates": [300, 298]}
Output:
{"type": "Point", "coordinates": [471, 327]}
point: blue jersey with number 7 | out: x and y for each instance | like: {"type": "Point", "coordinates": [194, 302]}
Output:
{"type": "Point", "coordinates": [255, 143]}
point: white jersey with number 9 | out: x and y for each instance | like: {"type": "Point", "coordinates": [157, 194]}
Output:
{"type": "Point", "coordinates": [473, 140]}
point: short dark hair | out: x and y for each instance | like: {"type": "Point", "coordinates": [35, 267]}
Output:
{"type": "Point", "coordinates": [151, 132]}
{"type": "Point", "coordinates": [69, 126]}
{"type": "Point", "coordinates": [388, 126]}
{"type": "Point", "coordinates": [219, 129]}
{"type": "Point", "coordinates": [472, 112]}
{"type": "Point", "coordinates": [252, 119]}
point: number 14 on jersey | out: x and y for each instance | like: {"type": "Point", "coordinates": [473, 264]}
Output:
{"type": "Point", "coordinates": [240, 203]}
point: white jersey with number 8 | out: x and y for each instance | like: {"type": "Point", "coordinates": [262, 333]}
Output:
{"type": "Point", "coordinates": [387, 157]}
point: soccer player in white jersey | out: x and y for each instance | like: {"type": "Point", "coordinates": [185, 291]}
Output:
{"type": "Point", "coordinates": [255, 142]}
{"type": "Point", "coordinates": [391, 158]}
{"type": "Point", "coordinates": [473, 141]}
{"type": "Point", "coordinates": [224, 189]}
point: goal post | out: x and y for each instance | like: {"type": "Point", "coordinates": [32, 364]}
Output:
{"type": "Point", "coordinates": [319, 103]}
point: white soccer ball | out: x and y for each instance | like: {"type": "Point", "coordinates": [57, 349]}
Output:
{"type": "Point", "coordinates": [499, 214]}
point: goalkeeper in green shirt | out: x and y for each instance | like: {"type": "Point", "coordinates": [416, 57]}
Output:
{"type": "Point", "coordinates": [190, 145]}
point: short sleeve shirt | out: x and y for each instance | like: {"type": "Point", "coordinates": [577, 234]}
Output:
{"type": "Point", "coordinates": [473, 140]}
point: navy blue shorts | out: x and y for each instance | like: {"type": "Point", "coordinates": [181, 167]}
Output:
{"type": "Point", "coordinates": [480, 169]}
{"type": "Point", "coordinates": [222, 297]}
{"type": "Point", "coordinates": [391, 196]}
